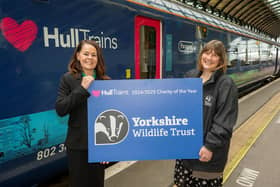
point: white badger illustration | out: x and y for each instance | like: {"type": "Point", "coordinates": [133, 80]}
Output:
{"type": "Point", "coordinates": [111, 130]}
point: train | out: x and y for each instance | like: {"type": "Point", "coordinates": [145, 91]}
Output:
{"type": "Point", "coordinates": [140, 39]}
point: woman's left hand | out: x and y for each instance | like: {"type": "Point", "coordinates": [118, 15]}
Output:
{"type": "Point", "coordinates": [205, 155]}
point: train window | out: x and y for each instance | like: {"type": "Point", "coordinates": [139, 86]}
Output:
{"type": "Point", "coordinates": [232, 53]}
{"type": "Point", "coordinates": [265, 53]}
{"type": "Point", "coordinates": [147, 52]}
{"type": "Point", "coordinates": [233, 63]}
{"type": "Point", "coordinates": [201, 32]}
{"type": "Point", "coordinates": [244, 63]}
{"type": "Point", "coordinates": [253, 51]}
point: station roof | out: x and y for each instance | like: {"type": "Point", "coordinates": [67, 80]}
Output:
{"type": "Point", "coordinates": [261, 16]}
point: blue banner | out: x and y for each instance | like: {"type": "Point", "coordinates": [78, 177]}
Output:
{"type": "Point", "coordinates": [145, 119]}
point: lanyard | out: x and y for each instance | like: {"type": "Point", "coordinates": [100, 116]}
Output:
{"type": "Point", "coordinates": [94, 74]}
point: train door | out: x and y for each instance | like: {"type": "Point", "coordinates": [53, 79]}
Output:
{"type": "Point", "coordinates": [147, 48]}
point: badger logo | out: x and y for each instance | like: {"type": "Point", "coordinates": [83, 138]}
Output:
{"type": "Point", "coordinates": [110, 127]}
{"type": "Point", "coordinates": [208, 100]}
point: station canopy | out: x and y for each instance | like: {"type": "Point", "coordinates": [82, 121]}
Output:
{"type": "Point", "coordinates": [261, 16]}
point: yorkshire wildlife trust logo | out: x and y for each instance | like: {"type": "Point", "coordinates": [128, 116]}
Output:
{"type": "Point", "coordinates": [111, 127]}
{"type": "Point", "coordinates": [208, 100]}
{"type": "Point", "coordinates": [21, 36]}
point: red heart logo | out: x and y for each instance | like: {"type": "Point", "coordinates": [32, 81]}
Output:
{"type": "Point", "coordinates": [20, 36]}
{"type": "Point", "coordinates": [96, 93]}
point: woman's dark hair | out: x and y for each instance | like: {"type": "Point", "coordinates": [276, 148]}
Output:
{"type": "Point", "coordinates": [219, 48]}
{"type": "Point", "coordinates": [74, 66]}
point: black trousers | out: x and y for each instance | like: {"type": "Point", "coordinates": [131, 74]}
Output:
{"type": "Point", "coordinates": [82, 173]}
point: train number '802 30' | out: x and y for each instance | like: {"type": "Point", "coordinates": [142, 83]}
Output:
{"type": "Point", "coordinates": [50, 151]}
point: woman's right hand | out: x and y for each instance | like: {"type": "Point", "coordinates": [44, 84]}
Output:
{"type": "Point", "coordinates": [205, 154]}
{"type": "Point", "coordinates": [104, 162]}
{"type": "Point", "coordinates": [86, 81]}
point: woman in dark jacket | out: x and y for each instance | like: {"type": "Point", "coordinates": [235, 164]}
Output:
{"type": "Point", "coordinates": [86, 65]}
{"type": "Point", "coordinates": [220, 109]}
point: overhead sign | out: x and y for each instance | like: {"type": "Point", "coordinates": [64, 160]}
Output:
{"type": "Point", "coordinates": [145, 119]}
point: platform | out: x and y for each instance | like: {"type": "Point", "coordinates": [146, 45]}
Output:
{"type": "Point", "coordinates": [259, 167]}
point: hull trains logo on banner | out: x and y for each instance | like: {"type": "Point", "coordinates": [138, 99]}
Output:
{"type": "Point", "coordinates": [145, 119]}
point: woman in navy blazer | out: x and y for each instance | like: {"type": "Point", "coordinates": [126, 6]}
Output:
{"type": "Point", "coordinates": [86, 65]}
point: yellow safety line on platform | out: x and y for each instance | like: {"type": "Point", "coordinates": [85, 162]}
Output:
{"type": "Point", "coordinates": [272, 111]}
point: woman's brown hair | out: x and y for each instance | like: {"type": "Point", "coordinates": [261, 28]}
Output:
{"type": "Point", "coordinates": [219, 48]}
{"type": "Point", "coordinates": [74, 66]}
